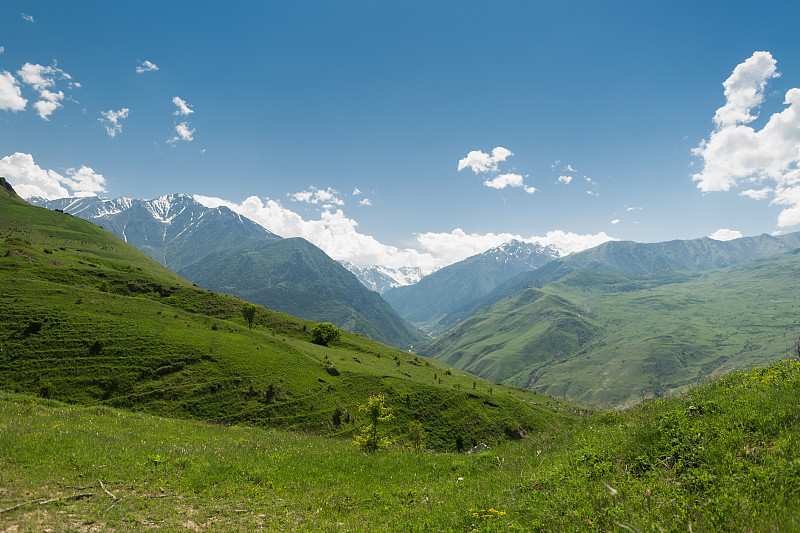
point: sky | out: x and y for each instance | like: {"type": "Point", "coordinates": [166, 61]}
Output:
{"type": "Point", "coordinates": [416, 133]}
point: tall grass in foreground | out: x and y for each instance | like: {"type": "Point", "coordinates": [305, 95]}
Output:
{"type": "Point", "coordinates": [724, 457]}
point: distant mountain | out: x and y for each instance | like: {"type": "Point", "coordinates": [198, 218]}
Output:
{"type": "Point", "coordinates": [221, 250]}
{"type": "Point", "coordinates": [453, 286]}
{"type": "Point", "coordinates": [610, 340]}
{"type": "Point", "coordinates": [381, 278]}
{"type": "Point", "coordinates": [627, 257]}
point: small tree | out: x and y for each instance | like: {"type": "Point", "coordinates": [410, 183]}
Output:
{"type": "Point", "coordinates": [416, 435]}
{"type": "Point", "coordinates": [249, 313]}
{"type": "Point", "coordinates": [325, 333]}
{"type": "Point", "coordinates": [377, 414]}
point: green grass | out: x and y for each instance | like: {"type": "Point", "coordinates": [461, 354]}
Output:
{"type": "Point", "coordinates": [724, 457]}
{"type": "Point", "coordinates": [86, 318]}
{"type": "Point", "coordinates": [610, 341]}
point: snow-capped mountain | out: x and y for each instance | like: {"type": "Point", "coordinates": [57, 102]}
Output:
{"type": "Point", "coordinates": [223, 251]}
{"type": "Point", "coordinates": [447, 289]}
{"type": "Point", "coordinates": [380, 278]}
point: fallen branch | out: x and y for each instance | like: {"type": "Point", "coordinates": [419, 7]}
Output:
{"type": "Point", "coordinates": [106, 490]}
{"type": "Point", "coordinates": [23, 504]}
{"type": "Point", "coordinates": [72, 497]}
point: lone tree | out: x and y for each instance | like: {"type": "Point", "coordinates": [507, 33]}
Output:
{"type": "Point", "coordinates": [377, 414]}
{"type": "Point", "coordinates": [249, 313]}
{"type": "Point", "coordinates": [325, 333]}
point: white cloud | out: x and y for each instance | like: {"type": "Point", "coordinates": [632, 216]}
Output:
{"type": "Point", "coordinates": [458, 245]}
{"type": "Point", "coordinates": [744, 90]}
{"type": "Point", "coordinates": [27, 18]}
{"type": "Point", "coordinates": [529, 190]}
{"type": "Point", "coordinates": [569, 168]}
{"type": "Point", "coordinates": [564, 179]}
{"type": "Point", "coordinates": [615, 221]}
{"type": "Point", "coordinates": [146, 66]}
{"type": "Point", "coordinates": [356, 191]}
{"type": "Point", "coordinates": [10, 94]}
{"type": "Point", "coordinates": [505, 180]}
{"type": "Point", "coordinates": [183, 133]}
{"type": "Point", "coordinates": [633, 208]}
{"type": "Point", "coordinates": [759, 194]}
{"type": "Point", "coordinates": [337, 235]}
{"type": "Point", "coordinates": [365, 202]}
{"type": "Point", "coordinates": [2, 49]}
{"type": "Point", "coordinates": [50, 102]}
{"type": "Point", "coordinates": [85, 181]}
{"type": "Point", "coordinates": [317, 196]}
{"type": "Point", "coordinates": [481, 162]}
{"type": "Point", "coordinates": [736, 153]}
{"type": "Point", "coordinates": [111, 120]}
{"type": "Point", "coordinates": [43, 78]}
{"type": "Point", "coordinates": [183, 108]}
{"type": "Point", "coordinates": [29, 179]}
{"type": "Point", "coordinates": [724, 234]}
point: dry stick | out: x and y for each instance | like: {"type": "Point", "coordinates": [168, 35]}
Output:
{"type": "Point", "coordinates": [106, 490]}
{"type": "Point", "coordinates": [73, 497]}
{"type": "Point", "coordinates": [23, 504]}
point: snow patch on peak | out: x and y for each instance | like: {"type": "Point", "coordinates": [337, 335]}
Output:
{"type": "Point", "coordinates": [381, 278]}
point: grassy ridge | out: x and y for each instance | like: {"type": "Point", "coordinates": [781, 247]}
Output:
{"type": "Point", "coordinates": [725, 457]}
{"type": "Point", "coordinates": [86, 318]}
{"type": "Point", "coordinates": [610, 340]}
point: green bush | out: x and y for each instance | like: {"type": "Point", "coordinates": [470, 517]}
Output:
{"type": "Point", "coordinates": [325, 333]}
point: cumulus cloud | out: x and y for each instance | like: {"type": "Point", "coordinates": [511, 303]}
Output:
{"type": "Point", "coordinates": [505, 180]}
{"type": "Point", "coordinates": [43, 79]}
{"type": "Point", "coordinates": [615, 221]}
{"type": "Point", "coordinates": [724, 234]}
{"type": "Point", "coordinates": [29, 179]}
{"type": "Point", "coordinates": [564, 179]}
{"type": "Point", "coordinates": [50, 102]}
{"type": "Point", "coordinates": [27, 18]}
{"type": "Point", "coordinates": [183, 107]}
{"type": "Point", "coordinates": [111, 120]}
{"type": "Point", "coordinates": [182, 133]}
{"type": "Point", "coordinates": [356, 191]}
{"type": "Point", "coordinates": [365, 202]}
{"type": "Point", "coordinates": [737, 153]}
{"type": "Point", "coordinates": [337, 235]}
{"type": "Point", "coordinates": [481, 162]}
{"type": "Point", "coordinates": [317, 196]}
{"type": "Point", "coordinates": [146, 66]}
{"type": "Point", "coordinates": [10, 94]}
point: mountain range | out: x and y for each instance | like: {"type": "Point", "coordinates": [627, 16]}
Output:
{"type": "Point", "coordinates": [381, 278]}
{"type": "Point", "coordinates": [220, 250]}
{"type": "Point", "coordinates": [449, 288]}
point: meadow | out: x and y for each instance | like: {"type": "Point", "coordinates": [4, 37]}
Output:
{"type": "Point", "coordinates": [723, 457]}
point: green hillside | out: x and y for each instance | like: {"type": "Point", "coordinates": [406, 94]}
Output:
{"type": "Point", "coordinates": [86, 318]}
{"type": "Point", "coordinates": [610, 340]}
{"type": "Point", "coordinates": [724, 457]}
{"type": "Point", "coordinates": [633, 258]}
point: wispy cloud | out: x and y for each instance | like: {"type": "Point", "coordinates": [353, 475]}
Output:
{"type": "Point", "coordinates": [182, 133]}
{"type": "Point", "coordinates": [146, 66]}
{"type": "Point", "coordinates": [183, 107]}
{"type": "Point", "coordinates": [27, 18]}
{"type": "Point", "coordinates": [312, 195]}
{"type": "Point", "coordinates": [111, 120]}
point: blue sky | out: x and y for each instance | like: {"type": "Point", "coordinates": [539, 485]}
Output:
{"type": "Point", "coordinates": [347, 122]}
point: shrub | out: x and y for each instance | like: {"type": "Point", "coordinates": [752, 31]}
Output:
{"type": "Point", "coordinates": [377, 414]}
{"type": "Point", "coordinates": [325, 333]}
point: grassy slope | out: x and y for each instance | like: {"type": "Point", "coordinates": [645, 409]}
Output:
{"type": "Point", "coordinates": [609, 340]}
{"type": "Point", "coordinates": [149, 340]}
{"type": "Point", "coordinates": [725, 457]}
